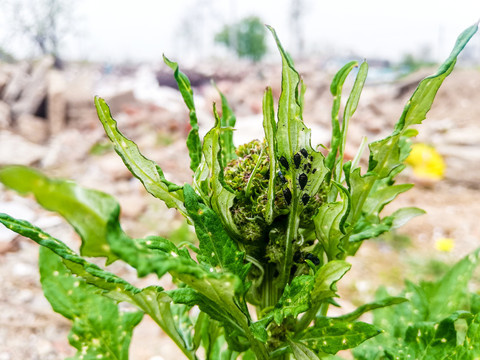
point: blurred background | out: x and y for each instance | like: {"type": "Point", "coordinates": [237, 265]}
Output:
{"type": "Point", "coordinates": [55, 55]}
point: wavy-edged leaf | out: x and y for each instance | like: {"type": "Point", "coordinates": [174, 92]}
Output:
{"type": "Point", "coordinates": [210, 183]}
{"type": "Point", "coordinates": [331, 336]}
{"type": "Point", "coordinates": [194, 143]}
{"type": "Point", "coordinates": [422, 99]}
{"type": "Point", "coordinates": [389, 301]}
{"type": "Point", "coordinates": [336, 89]}
{"type": "Point", "coordinates": [388, 154]}
{"type": "Point", "coordinates": [152, 300]}
{"type": "Point", "coordinates": [295, 299]}
{"type": "Point", "coordinates": [217, 249]}
{"type": "Point", "coordinates": [270, 128]}
{"type": "Point", "coordinates": [88, 211]}
{"type": "Point", "coordinates": [99, 329]}
{"type": "Point", "coordinates": [329, 223]}
{"type": "Point", "coordinates": [220, 288]}
{"type": "Point", "coordinates": [327, 277]}
{"type": "Point", "coordinates": [302, 352]}
{"type": "Point", "coordinates": [227, 123]}
{"type": "Point", "coordinates": [149, 173]}
{"type": "Point", "coordinates": [350, 109]}
{"type": "Point", "coordinates": [292, 139]}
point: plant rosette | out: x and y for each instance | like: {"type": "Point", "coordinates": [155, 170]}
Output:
{"type": "Point", "coordinates": [275, 221]}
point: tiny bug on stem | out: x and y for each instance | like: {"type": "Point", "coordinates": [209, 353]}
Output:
{"type": "Point", "coordinates": [296, 160]}
{"type": "Point", "coordinates": [305, 199]}
{"type": "Point", "coordinates": [304, 153]}
{"type": "Point", "coordinates": [302, 180]}
{"type": "Point", "coordinates": [284, 162]}
{"type": "Point", "coordinates": [287, 194]}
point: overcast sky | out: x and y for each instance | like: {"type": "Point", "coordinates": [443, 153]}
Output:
{"type": "Point", "coordinates": [141, 30]}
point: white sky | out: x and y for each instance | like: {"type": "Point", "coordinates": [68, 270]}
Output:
{"type": "Point", "coordinates": [142, 30]}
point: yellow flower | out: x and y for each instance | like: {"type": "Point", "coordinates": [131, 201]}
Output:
{"type": "Point", "coordinates": [426, 162]}
{"type": "Point", "coordinates": [444, 244]}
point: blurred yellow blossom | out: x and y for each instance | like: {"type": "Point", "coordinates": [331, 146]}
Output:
{"type": "Point", "coordinates": [444, 244]}
{"type": "Point", "coordinates": [426, 162]}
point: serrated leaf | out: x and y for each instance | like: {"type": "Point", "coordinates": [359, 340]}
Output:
{"type": "Point", "coordinates": [331, 336]}
{"type": "Point", "coordinates": [270, 128]}
{"type": "Point", "coordinates": [326, 278]}
{"type": "Point", "coordinates": [149, 173]}
{"type": "Point", "coordinates": [88, 211]}
{"type": "Point", "coordinates": [194, 143]}
{"type": "Point", "coordinates": [292, 136]}
{"type": "Point", "coordinates": [329, 223]}
{"type": "Point", "coordinates": [99, 329]}
{"type": "Point", "coordinates": [404, 215]}
{"type": "Point", "coordinates": [209, 181]}
{"type": "Point", "coordinates": [227, 123]}
{"type": "Point", "coordinates": [451, 291]}
{"type": "Point", "coordinates": [388, 154]}
{"type": "Point", "coordinates": [354, 315]}
{"type": "Point", "coordinates": [302, 352]}
{"type": "Point", "coordinates": [217, 249]}
{"type": "Point", "coordinates": [296, 298]}
{"type": "Point", "coordinates": [152, 300]}
{"type": "Point", "coordinates": [336, 90]}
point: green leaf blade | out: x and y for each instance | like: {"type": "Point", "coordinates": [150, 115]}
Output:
{"type": "Point", "coordinates": [88, 211]}
{"type": "Point", "coordinates": [149, 173]}
{"type": "Point", "coordinates": [194, 143]}
{"type": "Point", "coordinates": [99, 329]}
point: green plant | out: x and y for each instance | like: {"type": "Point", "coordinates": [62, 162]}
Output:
{"type": "Point", "coordinates": [246, 38]}
{"type": "Point", "coordinates": [441, 320]}
{"type": "Point", "coordinates": [275, 221]}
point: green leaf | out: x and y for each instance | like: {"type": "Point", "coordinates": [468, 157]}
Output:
{"type": "Point", "coordinates": [295, 299]}
{"type": "Point", "coordinates": [270, 129]}
{"type": "Point", "coordinates": [217, 249]}
{"type": "Point", "coordinates": [331, 336]}
{"type": "Point", "coordinates": [451, 291]}
{"type": "Point", "coordinates": [88, 211]}
{"type": "Point", "coordinates": [302, 352]}
{"type": "Point", "coordinates": [404, 215]}
{"type": "Point", "coordinates": [388, 154]}
{"type": "Point", "coordinates": [421, 100]}
{"type": "Point", "coordinates": [350, 109]}
{"type": "Point", "coordinates": [149, 173]}
{"type": "Point", "coordinates": [99, 329]}
{"type": "Point", "coordinates": [326, 278]}
{"type": "Point", "coordinates": [151, 300]}
{"type": "Point", "coordinates": [194, 144]}
{"type": "Point", "coordinates": [227, 123]}
{"type": "Point", "coordinates": [209, 180]}
{"type": "Point", "coordinates": [354, 315]}
{"type": "Point", "coordinates": [336, 90]}
{"type": "Point", "coordinates": [292, 136]}
{"type": "Point", "coordinates": [329, 224]}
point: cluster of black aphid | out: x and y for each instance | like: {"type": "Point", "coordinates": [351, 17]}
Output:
{"type": "Point", "coordinates": [300, 257]}
{"type": "Point", "coordinates": [302, 178]}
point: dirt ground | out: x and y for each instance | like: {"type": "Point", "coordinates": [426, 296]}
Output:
{"type": "Point", "coordinates": [30, 330]}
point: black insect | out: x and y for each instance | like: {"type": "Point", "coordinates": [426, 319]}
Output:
{"type": "Point", "coordinates": [311, 157]}
{"type": "Point", "coordinates": [284, 162]}
{"type": "Point", "coordinates": [281, 177]}
{"type": "Point", "coordinates": [313, 258]}
{"type": "Point", "coordinates": [287, 194]}
{"type": "Point", "coordinates": [297, 257]}
{"type": "Point", "coordinates": [313, 171]}
{"type": "Point", "coordinates": [302, 180]}
{"type": "Point", "coordinates": [297, 159]}
{"type": "Point", "coordinates": [305, 199]}
{"type": "Point", "coordinates": [304, 153]}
